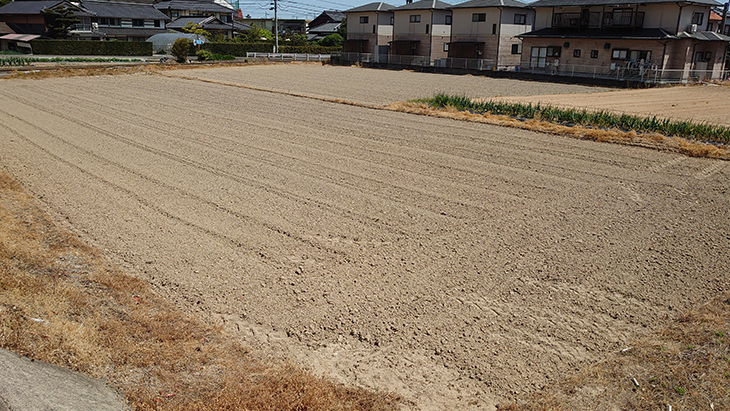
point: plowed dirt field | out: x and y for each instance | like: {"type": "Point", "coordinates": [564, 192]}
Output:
{"type": "Point", "coordinates": [459, 264]}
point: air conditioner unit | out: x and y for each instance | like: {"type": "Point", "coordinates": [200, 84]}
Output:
{"type": "Point", "coordinates": [692, 28]}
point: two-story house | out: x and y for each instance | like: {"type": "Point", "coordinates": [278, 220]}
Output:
{"type": "Point", "coordinates": [191, 8]}
{"type": "Point", "coordinates": [668, 39]}
{"type": "Point", "coordinates": [488, 30]}
{"type": "Point", "coordinates": [370, 29]}
{"type": "Point", "coordinates": [97, 19]}
{"type": "Point", "coordinates": [421, 28]}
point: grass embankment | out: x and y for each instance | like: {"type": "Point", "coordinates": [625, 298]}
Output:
{"type": "Point", "coordinates": [63, 303]}
{"type": "Point", "coordinates": [697, 140]}
{"type": "Point", "coordinates": [685, 367]}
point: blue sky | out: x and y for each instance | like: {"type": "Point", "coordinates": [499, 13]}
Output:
{"type": "Point", "coordinates": [301, 9]}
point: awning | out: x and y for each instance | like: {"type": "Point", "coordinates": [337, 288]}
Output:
{"type": "Point", "coordinates": [405, 41]}
{"type": "Point", "coordinates": [20, 37]}
{"type": "Point", "coordinates": [466, 42]}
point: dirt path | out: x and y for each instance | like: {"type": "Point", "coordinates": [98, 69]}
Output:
{"type": "Point", "coordinates": [459, 264]}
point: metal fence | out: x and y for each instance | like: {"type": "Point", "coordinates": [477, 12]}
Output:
{"type": "Point", "coordinates": [630, 71]}
{"type": "Point", "coordinates": [288, 56]}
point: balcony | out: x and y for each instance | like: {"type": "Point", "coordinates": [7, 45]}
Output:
{"type": "Point", "coordinates": [623, 19]}
{"type": "Point", "coordinates": [575, 20]}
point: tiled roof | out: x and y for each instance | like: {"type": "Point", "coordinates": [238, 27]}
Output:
{"type": "Point", "coordinates": [377, 6]}
{"type": "Point", "coordinates": [199, 6]}
{"type": "Point", "coordinates": [556, 3]}
{"type": "Point", "coordinates": [425, 5]}
{"type": "Point", "coordinates": [489, 3]}
{"type": "Point", "coordinates": [206, 23]}
{"type": "Point", "coordinates": [28, 7]}
{"type": "Point", "coordinates": [123, 10]}
{"type": "Point", "coordinates": [704, 36]}
{"type": "Point", "coordinates": [326, 28]}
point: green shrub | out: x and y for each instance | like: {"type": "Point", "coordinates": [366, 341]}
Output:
{"type": "Point", "coordinates": [91, 48]}
{"type": "Point", "coordinates": [204, 55]}
{"type": "Point", "coordinates": [181, 49]}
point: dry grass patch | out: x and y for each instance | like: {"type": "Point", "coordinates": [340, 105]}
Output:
{"type": "Point", "coordinates": [650, 140]}
{"type": "Point", "coordinates": [686, 366]}
{"type": "Point", "coordinates": [63, 303]}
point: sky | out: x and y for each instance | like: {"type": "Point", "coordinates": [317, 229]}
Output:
{"type": "Point", "coordinates": [300, 9]}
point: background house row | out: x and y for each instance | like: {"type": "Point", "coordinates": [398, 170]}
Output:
{"type": "Point", "coordinates": [601, 37]}
{"type": "Point", "coordinates": [138, 20]}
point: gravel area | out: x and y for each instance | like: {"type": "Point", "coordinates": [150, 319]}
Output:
{"type": "Point", "coordinates": [459, 264]}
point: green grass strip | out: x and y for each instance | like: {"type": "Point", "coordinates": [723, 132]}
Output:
{"type": "Point", "coordinates": [600, 119]}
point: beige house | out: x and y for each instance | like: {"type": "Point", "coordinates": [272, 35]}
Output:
{"type": "Point", "coordinates": [662, 39]}
{"type": "Point", "coordinates": [421, 29]}
{"type": "Point", "coordinates": [488, 29]}
{"type": "Point", "coordinates": [369, 29]}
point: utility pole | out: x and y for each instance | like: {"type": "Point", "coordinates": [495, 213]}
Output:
{"type": "Point", "coordinates": [276, 26]}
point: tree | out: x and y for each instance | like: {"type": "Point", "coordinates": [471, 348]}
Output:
{"type": "Point", "coordinates": [332, 40]}
{"type": "Point", "coordinates": [4, 2]}
{"type": "Point", "coordinates": [196, 29]}
{"type": "Point", "coordinates": [59, 21]}
{"type": "Point", "coordinates": [181, 49]}
{"type": "Point", "coordinates": [342, 30]}
{"type": "Point", "coordinates": [297, 40]}
{"type": "Point", "coordinates": [255, 34]}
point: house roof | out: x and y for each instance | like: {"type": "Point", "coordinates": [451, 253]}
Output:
{"type": "Point", "coordinates": [425, 5]}
{"type": "Point", "coordinates": [28, 7]}
{"type": "Point", "coordinates": [206, 23]}
{"type": "Point", "coordinates": [334, 15]}
{"type": "Point", "coordinates": [638, 34]}
{"type": "Point", "coordinates": [19, 37]}
{"type": "Point", "coordinates": [489, 3]}
{"type": "Point", "coordinates": [704, 36]}
{"type": "Point", "coordinates": [326, 28]}
{"type": "Point", "coordinates": [191, 5]}
{"type": "Point", "coordinates": [123, 10]}
{"type": "Point", "coordinates": [377, 6]}
{"type": "Point", "coordinates": [555, 3]}
{"type": "Point", "coordinates": [564, 33]}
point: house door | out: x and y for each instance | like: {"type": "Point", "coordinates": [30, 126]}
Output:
{"type": "Point", "coordinates": [382, 54]}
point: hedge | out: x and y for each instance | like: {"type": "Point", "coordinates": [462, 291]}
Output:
{"type": "Point", "coordinates": [91, 48]}
{"type": "Point", "coordinates": [240, 49]}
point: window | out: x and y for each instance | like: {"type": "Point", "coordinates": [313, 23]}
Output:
{"type": "Point", "coordinates": [415, 18]}
{"type": "Point", "coordinates": [539, 55]}
{"type": "Point", "coordinates": [174, 14]}
{"type": "Point", "coordinates": [708, 55]}
{"type": "Point", "coordinates": [446, 46]}
{"type": "Point", "coordinates": [697, 17]}
{"type": "Point", "coordinates": [517, 49]}
{"type": "Point", "coordinates": [520, 18]}
{"type": "Point", "coordinates": [447, 21]}
{"type": "Point", "coordinates": [374, 29]}
{"type": "Point", "coordinates": [594, 54]}
{"type": "Point", "coordinates": [157, 23]}
{"type": "Point", "coordinates": [391, 20]}
{"type": "Point", "coordinates": [364, 19]}
{"type": "Point", "coordinates": [137, 23]}
{"type": "Point", "coordinates": [636, 55]}
{"type": "Point", "coordinates": [576, 53]}
{"type": "Point", "coordinates": [426, 28]}
{"type": "Point", "coordinates": [103, 21]}
{"type": "Point", "coordinates": [619, 54]}
{"type": "Point", "coordinates": [494, 28]}
{"type": "Point", "coordinates": [479, 17]}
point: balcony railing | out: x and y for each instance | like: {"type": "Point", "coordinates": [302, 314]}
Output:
{"type": "Point", "coordinates": [590, 20]}
{"type": "Point", "coordinates": [593, 19]}
{"type": "Point", "coordinates": [623, 19]}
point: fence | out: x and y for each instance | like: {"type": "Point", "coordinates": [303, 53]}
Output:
{"type": "Point", "coordinates": [288, 56]}
{"type": "Point", "coordinates": [630, 71]}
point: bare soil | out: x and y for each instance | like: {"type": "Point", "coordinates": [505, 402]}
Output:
{"type": "Point", "coordinates": [701, 103]}
{"type": "Point", "coordinates": [459, 264]}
